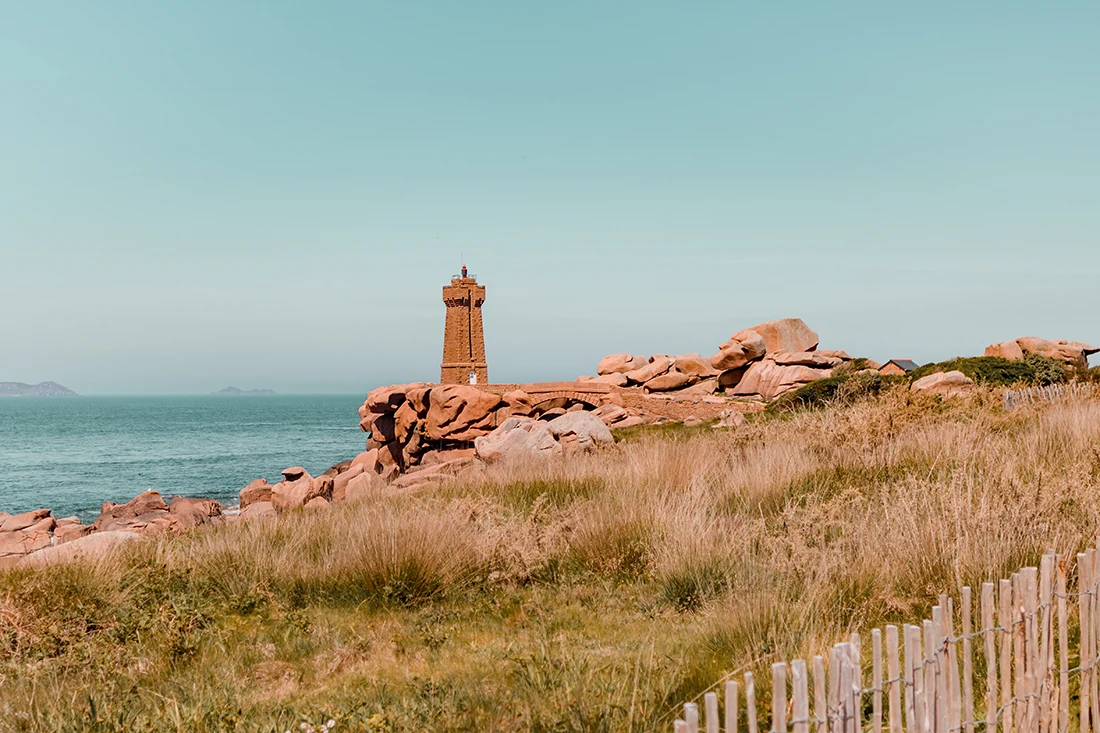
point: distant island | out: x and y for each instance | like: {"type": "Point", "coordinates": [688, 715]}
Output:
{"type": "Point", "coordinates": [44, 389]}
{"type": "Point", "coordinates": [235, 392]}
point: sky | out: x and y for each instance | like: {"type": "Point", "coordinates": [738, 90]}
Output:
{"type": "Point", "coordinates": [271, 194]}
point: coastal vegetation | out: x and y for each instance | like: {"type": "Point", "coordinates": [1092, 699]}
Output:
{"type": "Point", "coordinates": [594, 593]}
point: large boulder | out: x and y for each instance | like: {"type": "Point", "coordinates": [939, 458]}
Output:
{"type": "Point", "coordinates": [694, 365]}
{"type": "Point", "coordinates": [388, 398]}
{"type": "Point", "coordinates": [68, 532]}
{"type": "Point", "coordinates": [91, 547]}
{"type": "Point", "coordinates": [620, 364]}
{"type": "Point", "coordinates": [579, 431]}
{"type": "Point", "coordinates": [340, 484]}
{"type": "Point", "coordinates": [807, 358]}
{"type": "Point", "coordinates": [611, 414]}
{"type": "Point", "coordinates": [786, 335]}
{"type": "Point", "coordinates": [364, 486]}
{"type": "Point", "coordinates": [769, 380]}
{"type": "Point", "coordinates": [257, 491]}
{"type": "Point", "coordinates": [460, 413]}
{"type": "Point", "coordinates": [190, 513]}
{"type": "Point", "coordinates": [28, 539]}
{"type": "Point", "coordinates": [1072, 353]}
{"type": "Point", "coordinates": [616, 379]}
{"type": "Point", "coordinates": [15, 522]}
{"type": "Point", "coordinates": [944, 384]}
{"type": "Point", "coordinates": [1006, 350]}
{"type": "Point", "coordinates": [258, 510]}
{"type": "Point", "coordinates": [670, 381]}
{"type": "Point", "coordinates": [742, 348]}
{"type": "Point", "coordinates": [143, 509]}
{"type": "Point", "coordinates": [296, 488]}
{"type": "Point", "coordinates": [517, 438]}
{"type": "Point", "coordinates": [657, 366]}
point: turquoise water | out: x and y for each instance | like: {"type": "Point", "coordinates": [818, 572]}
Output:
{"type": "Point", "coordinates": [71, 454]}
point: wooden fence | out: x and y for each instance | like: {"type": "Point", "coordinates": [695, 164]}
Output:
{"type": "Point", "coordinates": [1013, 398]}
{"type": "Point", "coordinates": [1026, 634]}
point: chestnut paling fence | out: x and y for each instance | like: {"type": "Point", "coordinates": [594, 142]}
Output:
{"type": "Point", "coordinates": [1014, 398]}
{"type": "Point", "coordinates": [1034, 675]}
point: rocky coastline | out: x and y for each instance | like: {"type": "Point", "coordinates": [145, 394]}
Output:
{"type": "Point", "coordinates": [421, 434]}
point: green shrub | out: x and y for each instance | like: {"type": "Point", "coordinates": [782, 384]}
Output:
{"type": "Point", "coordinates": [846, 388]}
{"type": "Point", "coordinates": [995, 371]}
{"type": "Point", "coordinates": [1047, 371]}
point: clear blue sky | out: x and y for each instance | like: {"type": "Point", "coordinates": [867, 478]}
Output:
{"type": "Point", "coordinates": [271, 194]}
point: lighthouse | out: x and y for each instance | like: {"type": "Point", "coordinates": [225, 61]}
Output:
{"type": "Point", "coordinates": [463, 336]}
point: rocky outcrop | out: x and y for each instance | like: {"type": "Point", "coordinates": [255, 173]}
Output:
{"type": "Point", "coordinates": [146, 512]}
{"type": "Point", "coordinates": [944, 384]}
{"type": "Point", "coordinates": [523, 438]}
{"type": "Point", "coordinates": [89, 547]}
{"type": "Point", "coordinates": [1072, 353]}
{"type": "Point", "coordinates": [767, 379]}
{"type": "Point", "coordinates": [670, 381]}
{"type": "Point", "coordinates": [762, 362]}
{"type": "Point", "coordinates": [742, 348]}
{"type": "Point", "coordinates": [773, 358]}
{"type": "Point", "coordinates": [37, 534]}
{"type": "Point", "coordinates": [189, 513]}
{"type": "Point", "coordinates": [257, 491]}
{"type": "Point", "coordinates": [658, 365]}
{"type": "Point", "coordinates": [620, 364]}
{"type": "Point", "coordinates": [694, 365]}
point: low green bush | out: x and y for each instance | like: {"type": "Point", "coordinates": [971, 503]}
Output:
{"type": "Point", "coordinates": [845, 388]}
{"type": "Point", "coordinates": [995, 371]}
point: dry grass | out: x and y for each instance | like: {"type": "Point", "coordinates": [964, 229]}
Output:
{"type": "Point", "coordinates": [591, 594]}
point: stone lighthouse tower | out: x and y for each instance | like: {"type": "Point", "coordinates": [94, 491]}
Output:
{"type": "Point", "coordinates": [464, 339]}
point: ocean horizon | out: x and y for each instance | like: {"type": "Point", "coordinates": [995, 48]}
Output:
{"type": "Point", "coordinates": [71, 454]}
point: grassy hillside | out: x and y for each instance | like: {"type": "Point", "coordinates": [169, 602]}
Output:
{"type": "Point", "coordinates": [595, 594]}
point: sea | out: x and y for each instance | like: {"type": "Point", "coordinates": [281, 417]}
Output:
{"type": "Point", "coordinates": [70, 454]}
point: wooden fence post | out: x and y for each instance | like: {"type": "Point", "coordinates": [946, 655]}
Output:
{"type": "Point", "coordinates": [1063, 650]}
{"type": "Point", "coordinates": [931, 684]}
{"type": "Point", "coordinates": [1094, 637]}
{"type": "Point", "coordinates": [836, 723]}
{"type": "Point", "coordinates": [820, 710]}
{"type": "Point", "coordinates": [801, 693]}
{"type": "Point", "coordinates": [954, 696]}
{"type": "Point", "coordinates": [855, 653]}
{"type": "Point", "coordinates": [968, 663]}
{"type": "Point", "coordinates": [691, 717]}
{"type": "Point", "coordinates": [710, 708]}
{"type": "Point", "coordinates": [893, 672]}
{"type": "Point", "coordinates": [1083, 645]}
{"type": "Point", "coordinates": [750, 703]}
{"type": "Point", "coordinates": [916, 678]}
{"type": "Point", "coordinates": [1030, 585]}
{"type": "Point", "coordinates": [1004, 618]}
{"type": "Point", "coordinates": [1019, 661]}
{"type": "Point", "coordinates": [1046, 650]}
{"type": "Point", "coordinates": [876, 681]}
{"type": "Point", "coordinates": [779, 698]}
{"type": "Point", "coordinates": [988, 634]}
{"type": "Point", "coordinates": [849, 716]}
{"type": "Point", "coordinates": [731, 707]}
